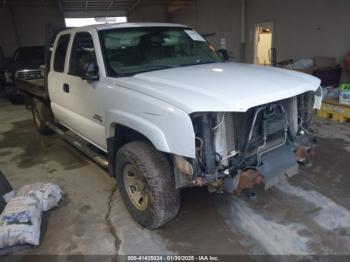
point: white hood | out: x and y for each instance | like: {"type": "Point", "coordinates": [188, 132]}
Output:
{"type": "Point", "coordinates": [221, 87]}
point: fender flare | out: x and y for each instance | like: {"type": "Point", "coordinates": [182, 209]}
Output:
{"type": "Point", "coordinates": [149, 130]}
{"type": "Point", "coordinates": [153, 132]}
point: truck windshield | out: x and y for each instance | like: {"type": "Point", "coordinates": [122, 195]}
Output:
{"type": "Point", "coordinates": [131, 51]}
{"type": "Point", "coordinates": [30, 53]}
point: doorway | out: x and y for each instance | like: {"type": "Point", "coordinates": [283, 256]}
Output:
{"type": "Point", "coordinates": [263, 51]}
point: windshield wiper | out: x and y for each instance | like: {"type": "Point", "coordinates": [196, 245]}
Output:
{"type": "Point", "coordinates": [198, 63]}
{"type": "Point", "coordinates": [158, 66]}
{"type": "Point", "coordinates": [150, 68]}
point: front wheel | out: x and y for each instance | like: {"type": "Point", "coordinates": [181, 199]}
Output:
{"type": "Point", "coordinates": [147, 185]}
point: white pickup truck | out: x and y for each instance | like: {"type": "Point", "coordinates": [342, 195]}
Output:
{"type": "Point", "coordinates": [170, 113]}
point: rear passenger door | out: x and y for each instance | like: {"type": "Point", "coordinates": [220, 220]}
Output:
{"type": "Point", "coordinates": [83, 96]}
{"type": "Point", "coordinates": [57, 76]}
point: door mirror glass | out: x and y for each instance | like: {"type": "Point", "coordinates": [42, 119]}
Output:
{"type": "Point", "coordinates": [223, 54]}
{"type": "Point", "coordinates": [90, 72]}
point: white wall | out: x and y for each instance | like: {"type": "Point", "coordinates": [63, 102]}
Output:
{"type": "Point", "coordinates": [30, 21]}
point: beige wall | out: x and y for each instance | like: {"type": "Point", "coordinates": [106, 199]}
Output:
{"type": "Point", "coordinates": [220, 18]}
{"type": "Point", "coordinates": [31, 22]}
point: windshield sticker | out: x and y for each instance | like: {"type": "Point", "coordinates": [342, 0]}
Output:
{"type": "Point", "coordinates": [194, 35]}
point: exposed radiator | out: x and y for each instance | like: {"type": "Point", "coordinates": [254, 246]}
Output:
{"type": "Point", "coordinates": [225, 135]}
{"type": "Point", "coordinates": [232, 133]}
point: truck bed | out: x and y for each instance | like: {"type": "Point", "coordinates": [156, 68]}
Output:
{"type": "Point", "coordinates": [34, 87]}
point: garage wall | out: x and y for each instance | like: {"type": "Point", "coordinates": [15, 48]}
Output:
{"type": "Point", "coordinates": [217, 19]}
{"type": "Point", "coordinates": [302, 28]}
{"type": "Point", "coordinates": [30, 23]}
{"type": "Point", "coordinates": [149, 11]}
{"type": "Point", "coordinates": [8, 39]}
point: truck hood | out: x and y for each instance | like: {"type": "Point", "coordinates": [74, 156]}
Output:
{"type": "Point", "coordinates": [221, 87]}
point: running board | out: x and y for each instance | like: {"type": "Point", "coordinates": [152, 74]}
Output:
{"type": "Point", "coordinates": [97, 158]}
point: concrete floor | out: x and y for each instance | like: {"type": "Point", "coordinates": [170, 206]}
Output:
{"type": "Point", "coordinates": [308, 214]}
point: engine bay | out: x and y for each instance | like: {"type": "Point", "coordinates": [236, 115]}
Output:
{"type": "Point", "coordinates": [238, 150]}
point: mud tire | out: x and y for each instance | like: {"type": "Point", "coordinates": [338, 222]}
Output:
{"type": "Point", "coordinates": [41, 114]}
{"type": "Point", "coordinates": [156, 169]}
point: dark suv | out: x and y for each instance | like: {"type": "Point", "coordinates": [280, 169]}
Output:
{"type": "Point", "coordinates": [24, 65]}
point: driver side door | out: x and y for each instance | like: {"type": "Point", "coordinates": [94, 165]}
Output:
{"type": "Point", "coordinates": [84, 112]}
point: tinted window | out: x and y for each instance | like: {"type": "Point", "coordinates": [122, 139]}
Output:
{"type": "Point", "coordinates": [83, 53]}
{"type": "Point", "coordinates": [60, 53]}
{"type": "Point", "coordinates": [30, 53]}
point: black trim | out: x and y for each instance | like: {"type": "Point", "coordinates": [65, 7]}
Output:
{"type": "Point", "coordinates": [111, 152]}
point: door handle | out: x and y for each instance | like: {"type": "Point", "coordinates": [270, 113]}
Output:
{"type": "Point", "coordinates": [66, 88]}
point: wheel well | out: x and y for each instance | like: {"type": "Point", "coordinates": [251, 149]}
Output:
{"type": "Point", "coordinates": [121, 136]}
{"type": "Point", "coordinates": [124, 135]}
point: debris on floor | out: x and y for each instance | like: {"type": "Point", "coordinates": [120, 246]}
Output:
{"type": "Point", "coordinates": [48, 194]}
{"type": "Point", "coordinates": [20, 222]}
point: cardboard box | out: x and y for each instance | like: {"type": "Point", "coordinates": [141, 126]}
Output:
{"type": "Point", "coordinates": [309, 71]}
{"type": "Point", "coordinates": [325, 62]}
{"type": "Point", "coordinates": [344, 94]}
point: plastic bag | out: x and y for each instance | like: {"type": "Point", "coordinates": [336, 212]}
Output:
{"type": "Point", "coordinates": [303, 63]}
{"type": "Point", "coordinates": [8, 196]}
{"type": "Point", "coordinates": [48, 194]}
{"type": "Point", "coordinates": [20, 222]}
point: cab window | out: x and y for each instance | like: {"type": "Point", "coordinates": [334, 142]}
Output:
{"type": "Point", "coordinates": [82, 54]}
{"type": "Point", "coordinates": [60, 53]}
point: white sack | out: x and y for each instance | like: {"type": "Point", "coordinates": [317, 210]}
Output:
{"type": "Point", "coordinates": [304, 63]}
{"type": "Point", "coordinates": [48, 194]}
{"type": "Point", "coordinates": [8, 196]}
{"type": "Point", "coordinates": [20, 222]}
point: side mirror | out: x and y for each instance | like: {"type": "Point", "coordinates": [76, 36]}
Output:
{"type": "Point", "coordinates": [223, 54]}
{"type": "Point", "coordinates": [91, 72]}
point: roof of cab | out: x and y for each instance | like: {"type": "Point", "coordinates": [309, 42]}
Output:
{"type": "Point", "coordinates": [123, 25]}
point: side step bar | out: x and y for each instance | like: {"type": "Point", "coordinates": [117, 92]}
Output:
{"type": "Point", "coordinates": [97, 158]}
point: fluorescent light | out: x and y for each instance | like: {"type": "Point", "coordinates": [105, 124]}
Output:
{"type": "Point", "coordinates": [217, 70]}
{"type": "Point", "coordinates": [77, 22]}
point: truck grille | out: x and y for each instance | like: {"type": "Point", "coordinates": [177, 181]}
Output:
{"type": "Point", "coordinates": [274, 127]}
{"type": "Point", "coordinates": [29, 74]}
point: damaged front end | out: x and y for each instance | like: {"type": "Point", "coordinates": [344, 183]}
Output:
{"type": "Point", "coordinates": [239, 150]}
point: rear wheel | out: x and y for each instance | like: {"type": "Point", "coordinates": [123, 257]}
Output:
{"type": "Point", "coordinates": [146, 183]}
{"type": "Point", "coordinates": [42, 114]}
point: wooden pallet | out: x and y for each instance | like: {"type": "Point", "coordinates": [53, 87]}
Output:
{"type": "Point", "coordinates": [332, 109]}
